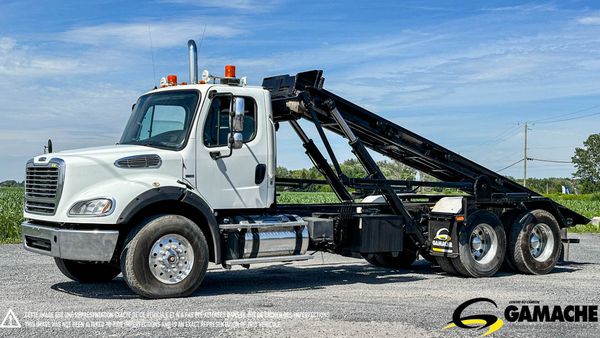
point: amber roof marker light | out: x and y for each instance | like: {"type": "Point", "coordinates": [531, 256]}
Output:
{"type": "Point", "coordinates": [230, 71]}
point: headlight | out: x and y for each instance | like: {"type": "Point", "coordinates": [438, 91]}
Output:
{"type": "Point", "coordinates": [95, 207]}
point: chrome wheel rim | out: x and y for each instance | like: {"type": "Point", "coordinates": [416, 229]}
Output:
{"type": "Point", "coordinates": [541, 242]}
{"type": "Point", "coordinates": [483, 243]}
{"type": "Point", "coordinates": [171, 259]}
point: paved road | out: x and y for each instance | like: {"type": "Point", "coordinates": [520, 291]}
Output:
{"type": "Point", "coordinates": [327, 296]}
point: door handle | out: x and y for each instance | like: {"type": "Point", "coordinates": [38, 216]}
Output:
{"type": "Point", "coordinates": [259, 173]}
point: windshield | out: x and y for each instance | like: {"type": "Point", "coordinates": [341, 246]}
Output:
{"type": "Point", "coordinates": [161, 119]}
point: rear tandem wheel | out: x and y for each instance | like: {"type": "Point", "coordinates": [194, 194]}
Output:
{"type": "Point", "coordinates": [482, 245]}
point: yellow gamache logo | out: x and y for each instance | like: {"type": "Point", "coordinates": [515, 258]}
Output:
{"type": "Point", "coordinates": [479, 322]}
{"type": "Point", "coordinates": [443, 235]}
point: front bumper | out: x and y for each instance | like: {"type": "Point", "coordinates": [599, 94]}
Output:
{"type": "Point", "coordinates": [80, 245]}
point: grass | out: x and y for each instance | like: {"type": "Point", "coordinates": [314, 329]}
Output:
{"type": "Point", "coordinates": [11, 208]}
{"type": "Point", "coordinates": [585, 228]}
{"type": "Point", "coordinates": [289, 197]}
{"type": "Point", "coordinates": [11, 214]}
{"type": "Point", "coordinates": [587, 205]}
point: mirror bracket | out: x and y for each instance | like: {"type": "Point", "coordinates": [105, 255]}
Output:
{"type": "Point", "coordinates": [236, 126]}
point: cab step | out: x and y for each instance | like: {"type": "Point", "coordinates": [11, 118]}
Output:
{"type": "Point", "coordinates": [258, 260]}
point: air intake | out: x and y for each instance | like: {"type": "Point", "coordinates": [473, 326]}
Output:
{"type": "Point", "coordinates": [139, 161]}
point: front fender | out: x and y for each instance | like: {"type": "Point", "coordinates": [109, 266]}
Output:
{"type": "Point", "coordinates": [180, 195]}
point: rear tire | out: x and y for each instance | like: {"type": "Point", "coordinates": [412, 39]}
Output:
{"type": "Point", "coordinates": [446, 264]}
{"type": "Point", "coordinates": [482, 245]}
{"type": "Point", "coordinates": [403, 261]}
{"type": "Point", "coordinates": [535, 245]}
{"type": "Point", "coordinates": [508, 218]}
{"type": "Point", "coordinates": [165, 256]}
{"type": "Point", "coordinates": [87, 272]}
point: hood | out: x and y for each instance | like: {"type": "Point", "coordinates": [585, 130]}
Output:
{"type": "Point", "coordinates": [105, 152]}
{"type": "Point", "coordinates": [117, 172]}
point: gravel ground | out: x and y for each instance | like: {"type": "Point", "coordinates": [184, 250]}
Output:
{"type": "Point", "coordinates": [327, 296]}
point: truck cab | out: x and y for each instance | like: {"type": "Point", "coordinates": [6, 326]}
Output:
{"type": "Point", "coordinates": [178, 145]}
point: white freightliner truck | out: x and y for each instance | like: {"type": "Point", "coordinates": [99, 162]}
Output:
{"type": "Point", "coordinates": [192, 181]}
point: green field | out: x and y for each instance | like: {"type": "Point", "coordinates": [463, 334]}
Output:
{"type": "Point", "coordinates": [11, 214]}
{"type": "Point", "coordinates": [11, 208]}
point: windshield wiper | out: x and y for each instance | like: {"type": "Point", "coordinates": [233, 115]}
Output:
{"type": "Point", "coordinates": [152, 144]}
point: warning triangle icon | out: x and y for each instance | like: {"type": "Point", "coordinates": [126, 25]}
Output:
{"type": "Point", "coordinates": [10, 321]}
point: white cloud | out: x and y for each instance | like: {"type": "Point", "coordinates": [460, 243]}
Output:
{"type": "Point", "coordinates": [589, 20]}
{"type": "Point", "coordinates": [73, 115]}
{"type": "Point", "coordinates": [23, 61]}
{"type": "Point", "coordinates": [164, 34]}
{"type": "Point", "coordinates": [253, 5]}
{"type": "Point", "coordinates": [442, 70]}
{"type": "Point", "coordinates": [522, 8]}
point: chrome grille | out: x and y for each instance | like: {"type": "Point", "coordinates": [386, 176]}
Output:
{"type": "Point", "coordinates": [43, 187]}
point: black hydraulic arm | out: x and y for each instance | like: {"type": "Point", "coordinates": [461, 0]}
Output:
{"type": "Point", "coordinates": [321, 132]}
{"type": "Point", "coordinates": [358, 148]}
{"type": "Point", "coordinates": [321, 164]}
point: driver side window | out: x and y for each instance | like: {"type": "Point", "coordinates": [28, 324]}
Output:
{"type": "Point", "coordinates": [160, 119]}
{"type": "Point", "coordinates": [216, 128]}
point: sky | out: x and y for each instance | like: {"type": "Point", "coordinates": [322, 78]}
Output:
{"type": "Point", "coordinates": [465, 74]}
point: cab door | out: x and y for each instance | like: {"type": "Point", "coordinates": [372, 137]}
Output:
{"type": "Point", "coordinates": [232, 178]}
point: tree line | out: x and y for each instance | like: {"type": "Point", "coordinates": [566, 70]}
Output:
{"type": "Point", "coordinates": [12, 183]}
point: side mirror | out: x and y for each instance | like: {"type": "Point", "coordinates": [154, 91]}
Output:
{"type": "Point", "coordinates": [236, 122]}
{"type": "Point", "coordinates": [237, 115]}
{"type": "Point", "coordinates": [236, 141]}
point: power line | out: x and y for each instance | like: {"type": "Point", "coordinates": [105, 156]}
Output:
{"type": "Point", "coordinates": [525, 156]}
{"type": "Point", "coordinates": [505, 135]}
{"type": "Point", "coordinates": [570, 119]}
{"type": "Point", "coordinates": [550, 161]}
{"type": "Point", "coordinates": [534, 159]}
{"type": "Point", "coordinates": [560, 116]}
{"type": "Point", "coordinates": [516, 131]}
{"type": "Point", "coordinates": [555, 147]}
{"type": "Point", "coordinates": [510, 165]}
{"type": "Point", "coordinates": [506, 131]}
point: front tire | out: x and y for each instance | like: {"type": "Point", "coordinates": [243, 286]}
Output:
{"type": "Point", "coordinates": [165, 256]}
{"type": "Point", "coordinates": [482, 246]}
{"type": "Point", "coordinates": [535, 245]}
{"type": "Point", "coordinates": [87, 272]}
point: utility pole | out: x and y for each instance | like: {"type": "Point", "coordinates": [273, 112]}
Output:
{"type": "Point", "coordinates": [525, 158]}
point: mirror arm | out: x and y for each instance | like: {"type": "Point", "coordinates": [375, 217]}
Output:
{"type": "Point", "coordinates": [216, 155]}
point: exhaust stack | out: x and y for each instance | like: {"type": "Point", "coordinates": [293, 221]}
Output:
{"type": "Point", "coordinates": [193, 54]}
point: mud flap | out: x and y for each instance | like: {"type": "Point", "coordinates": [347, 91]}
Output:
{"type": "Point", "coordinates": [443, 235]}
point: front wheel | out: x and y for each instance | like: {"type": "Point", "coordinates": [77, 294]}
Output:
{"type": "Point", "coordinates": [165, 256]}
{"type": "Point", "coordinates": [87, 272]}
